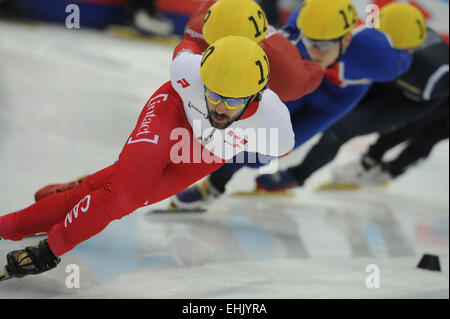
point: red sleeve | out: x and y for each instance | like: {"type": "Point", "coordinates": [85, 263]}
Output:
{"type": "Point", "coordinates": [194, 27]}
{"type": "Point", "coordinates": [291, 77]}
{"type": "Point", "coordinates": [186, 45]}
{"type": "Point", "coordinates": [145, 173]}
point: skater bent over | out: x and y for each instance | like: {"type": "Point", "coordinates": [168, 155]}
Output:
{"type": "Point", "coordinates": [222, 91]}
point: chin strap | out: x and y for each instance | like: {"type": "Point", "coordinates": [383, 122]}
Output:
{"type": "Point", "coordinates": [256, 97]}
{"type": "Point", "coordinates": [341, 50]}
{"type": "Point", "coordinates": [245, 110]}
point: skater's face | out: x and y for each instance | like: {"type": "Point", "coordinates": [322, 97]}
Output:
{"type": "Point", "coordinates": [221, 115]}
{"type": "Point", "coordinates": [325, 53]}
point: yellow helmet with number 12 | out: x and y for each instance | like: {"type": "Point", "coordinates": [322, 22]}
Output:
{"type": "Point", "coordinates": [327, 19]}
{"type": "Point", "coordinates": [235, 17]}
{"type": "Point", "coordinates": [235, 67]}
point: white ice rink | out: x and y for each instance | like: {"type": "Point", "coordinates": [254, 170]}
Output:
{"type": "Point", "coordinates": [68, 101]}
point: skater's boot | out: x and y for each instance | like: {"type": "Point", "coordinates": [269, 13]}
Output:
{"type": "Point", "coordinates": [278, 182]}
{"type": "Point", "coordinates": [196, 197]}
{"type": "Point", "coordinates": [57, 188]}
{"type": "Point", "coordinates": [152, 23]}
{"type": "Point", "coordinates": [354, 176]}
{"type": "Point", "coordinates": [145, 17]}
{"type": "Point", "coordinates": [32, 260]}
{"type": "Point", "coordinates": [12, 9]}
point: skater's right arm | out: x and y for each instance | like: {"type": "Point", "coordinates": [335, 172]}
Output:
{"type": "Point", "coordinates": [186, 45]}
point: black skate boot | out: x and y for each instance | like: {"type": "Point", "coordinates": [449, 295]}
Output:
{"type": "Point", "coordinates": [30, 261]}
{"type": "Point", "coordinates": [12, 9]}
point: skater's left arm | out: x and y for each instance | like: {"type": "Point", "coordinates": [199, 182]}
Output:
{"type": "Point", "coordinates": [291, 76]}
{"type": "Point", "coordinates": [323, 108]}
{"type": "Point", "coordinates": [372, 55]}
{"type": "Point", "coordinates": [276, 120]}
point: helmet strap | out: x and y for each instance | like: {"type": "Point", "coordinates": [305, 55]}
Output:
{"type": "Point", "coordinates": [245, 109]}
{"type": "Point", "coordinates": [341, 50]}
{"type": "Point", "coordinates": [256, 98]}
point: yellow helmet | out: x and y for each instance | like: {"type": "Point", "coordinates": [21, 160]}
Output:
{"type": "Point", "coordinates": [235, 67]}
{"type": "Point", "coordinates": [235, 17]}
{"type": "Point", "coordinates": [327, 19]}
{"type": "Point", "coordinates": [405, 24]}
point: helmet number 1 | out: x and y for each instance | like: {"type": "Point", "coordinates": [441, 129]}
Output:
{"type": "Point", "coordinates": [207, 54]}
{"type": "Point", "coordinates": [208, 14]}
{"type": "Point", "coordinates": [261, 69]}
{"type": "Point", "coordinates": [421, 28]}
{"type": "Point", "coordinates": [261, 17]}
{"type": "Point", "coordinates": [352, 12]}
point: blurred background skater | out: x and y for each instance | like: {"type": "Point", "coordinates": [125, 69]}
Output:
{"type": "Point", "coordinates": [272, 11]}
{"type": "Point", "coordinates": [144, 16]}
{"type": "Point", "coordinates": [411, 97]}
{"type": "Point", "coordinates": [11, 9]}
{"type": "Point", "coordinates": [291, 76]}
{"type": "Point", "coordinates": [148, 159]}
{"type": "Point", "coordinates": [420, 136]}
{"type": "Point", "coordinates": [352, 56]}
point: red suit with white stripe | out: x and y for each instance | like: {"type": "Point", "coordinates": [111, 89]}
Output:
{"type": "Point", "coordinates": [159, 159]}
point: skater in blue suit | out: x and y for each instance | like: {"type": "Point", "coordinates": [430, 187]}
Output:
{"type": "Point", "coordinates": [353, 56]}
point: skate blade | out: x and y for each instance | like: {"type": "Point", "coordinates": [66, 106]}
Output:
{"type": "Point", "coordinates": [5, 275]}
{"type": "Point", "coordinates": [345, 187]}
{"type": "Point", "coordinates": [260, 192]}
{"type": "Point", "coordinates": [131, 33]}
{"type": "Point", "coordinates": [383, 185]}
{"type": "Point", "coordinates": [22, 22]}
{"type": "Point", "coordinates": [176, 211]}
{"type": "Point", "coordinates": [172, 209]}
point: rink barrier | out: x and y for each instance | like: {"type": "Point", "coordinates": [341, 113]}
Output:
{"type": "Point", "coordinates": [102, 13]}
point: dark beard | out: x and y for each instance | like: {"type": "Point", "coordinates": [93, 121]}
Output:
{"type": "Point", "coordinates": [221, 126]}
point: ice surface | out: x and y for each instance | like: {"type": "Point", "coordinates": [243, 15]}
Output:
{"type": "Point", "coordinates": [68, 101]}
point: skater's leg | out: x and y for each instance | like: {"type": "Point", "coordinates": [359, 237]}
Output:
{"type": "Point", "coordinates": [419, 147]}
{"type": "Point", "coordinates": [380, 110]}
{"type": "Point", "coordinates": [96, 180]}
{"type": "Point", "coordinates": [202, 194]}
{"type": "Point", "coordinates": [138, 172]}
{"type": "Point", "coordinates": [220, 178]}
{"type": "Point", "coordinates": [140, 179]}
{"type": "Point", "coordinates": [401, 133]}
{"type": "Point", "coordinates": [41, 216]}
{"type": "Point", "coordinates": [390, 139]}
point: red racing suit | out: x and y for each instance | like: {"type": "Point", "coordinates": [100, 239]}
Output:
{"type": "Point", "coordinates": [148, 169]}
{"type": "Point", "coordinates": [143, 175]}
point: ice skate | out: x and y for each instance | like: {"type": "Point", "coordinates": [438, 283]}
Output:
{"type": "Point", "coordinates": [195, 198]}
{"type": "Point", "coordinates": [354, 176]}
{"type": "Point", "coordinates": [152, 23]}
{"type": "Point", "coordinates": [262, 192]}
{"type": "Point", "coordinates": [57, 188]}
{"type": "Point", "coordinates": [32, 260]}
{"type": "Point", "coordinates": [276, 185]}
